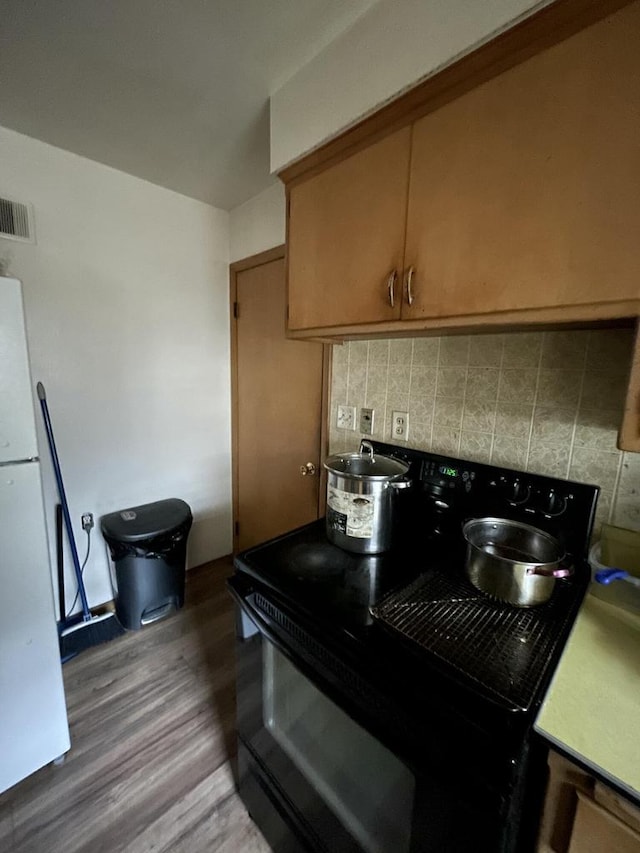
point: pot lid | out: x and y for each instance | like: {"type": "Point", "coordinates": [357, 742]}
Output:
{"type": "Point", "coordinates": [364, 466]}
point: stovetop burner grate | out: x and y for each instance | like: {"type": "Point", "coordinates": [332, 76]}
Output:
{"type": "Point", "coordinates": [503, 650]}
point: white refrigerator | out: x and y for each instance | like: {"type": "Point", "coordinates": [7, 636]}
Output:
{"type": "Point", "coordinates": [33, 714]}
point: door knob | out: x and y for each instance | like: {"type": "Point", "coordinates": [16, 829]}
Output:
{"type": "Point", "coordinates": [309, 469]}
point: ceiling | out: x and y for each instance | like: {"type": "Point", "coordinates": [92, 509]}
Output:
{"type": "Point", "coordinates": [172, 91]}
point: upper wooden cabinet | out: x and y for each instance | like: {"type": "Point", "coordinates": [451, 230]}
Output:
{"type": "Point", "coordinates": [518, 199]}
{"type": "Point", "coordinates": [525, 192]}
{"type": "Point", "coordinates": [345, 239]}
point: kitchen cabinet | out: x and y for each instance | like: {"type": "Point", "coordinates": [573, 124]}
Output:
{"type": "Point", "coordinates": [345, 238]}
{"type": "Point", "coordinates": [517, 202]}
{"type": "Point", "coordinates": [525, 192]}
{"type": "Point", "coordinates": [581, 815]}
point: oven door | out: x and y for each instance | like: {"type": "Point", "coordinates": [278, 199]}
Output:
{"type": "Point", "coordinates": [338, 788]}
{"type": "Point", "coordinates": [313, 778]}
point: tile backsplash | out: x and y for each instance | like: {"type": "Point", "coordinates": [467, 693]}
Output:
{"type": "Point", "coordinates": [547, 402]}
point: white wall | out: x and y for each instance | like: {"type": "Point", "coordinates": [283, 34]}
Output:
{"type": "Point", "coordinates": [258, 224]}
{"type": "Point", "coordinates": [389, 49]}
{"type": "Point", "coordinates": [126, 296]}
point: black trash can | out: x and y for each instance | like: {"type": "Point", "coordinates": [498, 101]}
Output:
{"type": "Point", "coordinates": [148, 545]}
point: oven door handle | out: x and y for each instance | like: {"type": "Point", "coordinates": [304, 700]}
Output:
{"type": "Point", "coordinates": [242, 596]}
{"type": "Point", "coordinates": [317, 672]}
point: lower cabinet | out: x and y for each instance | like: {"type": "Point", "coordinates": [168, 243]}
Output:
{"type": "Point", "coordinates": [581, 815]}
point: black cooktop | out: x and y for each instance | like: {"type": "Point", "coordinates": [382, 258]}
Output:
{"type": "Point", "coordinates": [504, 650]}
{"type": "Point", "coordinates": [337, 586]}
{"type": "Point", "coordinates": [413, 604]}
{"type": "Point", "coordinates": [418, 607]}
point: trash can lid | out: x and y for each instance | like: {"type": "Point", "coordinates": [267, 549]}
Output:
{"type": "Point", "coordinates": [146, 521]}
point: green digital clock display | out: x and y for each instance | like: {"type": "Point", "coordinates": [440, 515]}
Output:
{"type": "Point", "coordinates": [446, 471]}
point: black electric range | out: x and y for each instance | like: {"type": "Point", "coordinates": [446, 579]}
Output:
{"type": "Point", "coordinates": [403, 644]}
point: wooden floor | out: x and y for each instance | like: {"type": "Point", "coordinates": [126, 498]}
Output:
{"type": "Point", "coordinates": [152, 735]}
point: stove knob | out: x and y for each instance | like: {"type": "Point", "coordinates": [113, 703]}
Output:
{"type": "Point", "coordinates": [554, 504]}
{"type": "Point", "coordinates": [519, 493]}
{"type": "Point", "coordinates": [439, 499]}
{"type": "Point", "coordinates": [441, 506]}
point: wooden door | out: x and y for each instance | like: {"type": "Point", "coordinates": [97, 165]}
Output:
{"type": "Point", "coordinates": [525, 192]}
{"type": "Point", "coordinates": [277, 408]}
{"type": "Point", "coordinates": [346, 238]}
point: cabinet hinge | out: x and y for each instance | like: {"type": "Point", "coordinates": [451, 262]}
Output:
{"type": "Point", "coordinates": [236, 310]}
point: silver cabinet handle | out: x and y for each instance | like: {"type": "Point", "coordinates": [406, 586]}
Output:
{"type": "Point", "coordinates": [410, 272]}
{"type": "Point", "coordinates": [391, 285]}
{"type": "Point", "coordinates": [308, 469]}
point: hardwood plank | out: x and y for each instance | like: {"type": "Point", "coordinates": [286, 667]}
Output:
{"type": "Point", "coordinates": [190, 824]}
{"type": "Point", "coordinates": [152, 718]}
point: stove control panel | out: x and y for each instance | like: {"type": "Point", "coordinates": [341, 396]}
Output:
{"type": "Point", "coordinates": [447, 476]}
{"type": "Point", "coordinates": [533, 498]}
{"type": "Point", "coordinates": [447, 491]}
{"type": "Point", "coordinates": [534, 495]}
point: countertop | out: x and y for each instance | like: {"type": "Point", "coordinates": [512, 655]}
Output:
{"type": "Point", "coordinates": [592, 708]}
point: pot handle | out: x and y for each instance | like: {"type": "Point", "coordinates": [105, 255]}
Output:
{"type": "Point", "coordinates": [563, 572]}
{"type": "Point", "coordinates": [366, 445]}
{"type": "Point", "coordinates": [400, 484]}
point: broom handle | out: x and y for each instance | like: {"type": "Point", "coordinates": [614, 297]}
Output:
{"type": "Point", "coordinates": [60, 564]}
{"type": "Point", "coordinates": [42, 396]}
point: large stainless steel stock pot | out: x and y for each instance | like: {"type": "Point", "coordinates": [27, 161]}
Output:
{"type": "Point", "coordinates": [361, 493]}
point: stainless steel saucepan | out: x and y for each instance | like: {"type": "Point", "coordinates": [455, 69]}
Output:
{"type": "Point", "coordinates": [513, 561]}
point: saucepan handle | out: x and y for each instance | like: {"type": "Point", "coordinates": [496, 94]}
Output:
{"type": "Point", "coordinates": [561, 572]}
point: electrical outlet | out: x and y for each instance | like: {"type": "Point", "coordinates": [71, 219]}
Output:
{"type": "Point", "coordinates": [366, 421]}
{"type": "Point", "coordinates": [400, 425]}
{"type": "Point", "coordinates": [87, 520]}
{"type": "Point", "coordinates": [346, 417]}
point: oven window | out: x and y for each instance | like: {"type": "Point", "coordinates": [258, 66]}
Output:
{"type": "Point", "coordinates": [366, 786]}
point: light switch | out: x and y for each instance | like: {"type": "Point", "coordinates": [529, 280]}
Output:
{"type": "Point", "coordinates": [366, 421]}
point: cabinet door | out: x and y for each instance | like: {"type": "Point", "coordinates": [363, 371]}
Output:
{"type": "Point", "coordinates": [596, 830]}
{"type": "Point", "coordinates": [525, 192]}
{"type": "Point", "coordinates": [346, 238]}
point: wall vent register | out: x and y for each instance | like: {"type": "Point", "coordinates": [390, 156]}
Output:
{"type": "Point", "coordinates": [16, 220]}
